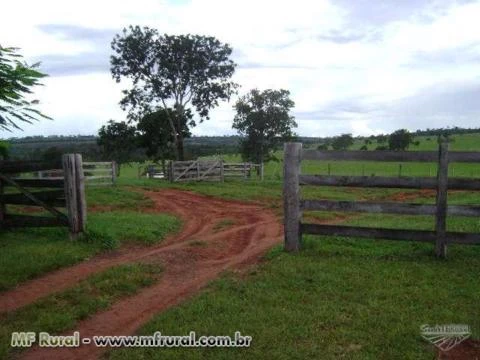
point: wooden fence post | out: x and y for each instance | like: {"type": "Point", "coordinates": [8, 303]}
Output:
{"type": "Point", "coordinates": [222, 170]}
{"type": "Point", "coordinates": [74, 193]}
{"type": "Point", "coordinates": [2, 204]}
{"type": "Point", "coordinates": [172, 170]}
{"type": "Point", "coordinates": [261, 171]}
{"type": "Point", "coordinates": [114, 171]}
{"type": "Point", "coordinates": [291, 195]}
{"type": "Point", "coordinates": [442, 191]}
{"type": "Point", "coordinates": [80, 185]}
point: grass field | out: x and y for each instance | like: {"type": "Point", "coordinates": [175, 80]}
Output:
{"type": "Point", "coordinates": [337, 298]}
{"type": "Point", "coordinates": [28, 253]}
{"type": "Point", "coordinates": [63, 310]}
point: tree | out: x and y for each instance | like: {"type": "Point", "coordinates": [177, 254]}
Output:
{"type": "Point", "coordinates": [381, 139]}
{"type": "Point", "coordinates": [264, 121]}
{"type": "Point", "coordinates": [17, 79]}
{"type": "Point", "coordinates": [400, 140]}
{"type": "Point", "coordinates": [4, 150]}
{"type": "Point", "coordinates": [118, 141]}
{"type": "Point", "coordinates": [155, 135]}
{"type": "Point", "coordinates": [342, 142]}
{"type": "Point", "coordinates": [182, 72]}
{"type": "Point", "coordinates": [52, 153]}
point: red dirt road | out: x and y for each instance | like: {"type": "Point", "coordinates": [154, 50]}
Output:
{"type": "Point", "coordinates": [198, 254]}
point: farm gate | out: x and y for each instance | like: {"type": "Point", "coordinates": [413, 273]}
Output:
{"type": "Point", "coordinates": [96, 173]}
{"type": "Point", "coordinates": [65, 192]}
{"type": "Point", "coordinates": [294, 205]}
{"type": "Point", "coordinates": [212, 170]}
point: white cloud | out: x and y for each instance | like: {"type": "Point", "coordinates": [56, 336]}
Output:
{"type": "Point", "coordinates": [348, 69]}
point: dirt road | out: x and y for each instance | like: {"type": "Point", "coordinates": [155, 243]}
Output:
{"type": "Point", "coordinates": [191, 258]}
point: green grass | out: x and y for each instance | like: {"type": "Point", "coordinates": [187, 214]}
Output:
{"type": "Point", "coordinates": [62, 311]}
{"type": "Point", "coordinates": [337, 298]}
{"type": "Point", "coordinates": [133, 227]}
{"type": "Point", "coordinates": [28, 253]}
{"type": "Point", "coordinates": [117, 197]}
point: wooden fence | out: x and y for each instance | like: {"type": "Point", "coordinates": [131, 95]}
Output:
{"type": "Point", "coordinates": [66, 192]}
{"type": "Point", "coordinates": [210, 170]}
{"type": "Point", "coordinates": [294, 205]}
{"type": "Point", "coordinates": [96, 173]}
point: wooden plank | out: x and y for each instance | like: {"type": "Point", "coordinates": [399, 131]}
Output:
{"type": "Point", "coordinates": [389, 182]}
{"type": "Point", "coordinates": [15, 167]}
{"type": "Point", "coordinates": [369, 207]}
{"type": "Point", "coordinates": [370, 181]}
{"type": "Point", "coordinates": [389, 234]}
{"type": "Point", "coordinates": [39, 183]}
{"type": "Point", "coordinates": [97, 163]}
{"type": "Point", "coordinates": [291, 195]}
{"type": "Point", "coordinates": [462, 238]}
{"type": "Point", "coordinates": [442, 191]}
{"type": "Point", "coordinates": [191, 166]}
{"type": "Point", "coordinates": [463, 156]}
{"type": "Point", "coordinates": [375, 233]}
{"type": "Point", "coordinates": [59, 215]}
{"type": "Point", "coordinates": [463, 210]}
{"type": "Point", "coordinates": [387, 207]}
{"type": "Point", "coordinates": [52, 198]}
{"type": "Point", "coordinates": [214, 165]}
{"type": "Point", "coordinates": [13, 221]}
{"type": "Point", "coordinates": [386, 156]}
{"type": "Point", "coordinates": [109, 177]}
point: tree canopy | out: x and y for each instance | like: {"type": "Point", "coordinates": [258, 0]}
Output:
{"type": "Point", "coordinates": [263, 119]}
{"type": "Point", "coordinates": [155, 135]}
{"type": "Point", "coordinates": [17, 79]}
{"type": "Point", "coordinates": [342, 142]}
{"type": "Point", "coordinates": [118, 141]}
{"type": "Point", "coordinates": [181, 72]}
{"type": "Point", "coordinates": [400, 140]}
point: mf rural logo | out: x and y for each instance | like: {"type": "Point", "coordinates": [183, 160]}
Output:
{"type": "Point", "coordinates": [445, 337]}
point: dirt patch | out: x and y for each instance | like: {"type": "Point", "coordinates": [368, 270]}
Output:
{"type": "Point", "coordinates": [413, 195]}
{"type": "Point", "coordinates": [187, 268]}
{"type": "Point", "coordinates": [466, 350]}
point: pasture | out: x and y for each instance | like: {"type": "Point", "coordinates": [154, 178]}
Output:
{"type": "Point", "coordinates": [337, 298]}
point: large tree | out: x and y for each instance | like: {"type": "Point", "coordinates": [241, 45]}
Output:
{"type": "Point", "coordinates": [400, 140]}
{"type": "Point", "coordinates": [264, 121]}
{"type": "Point", "coordinates": [17, 79]}
{"type": "Point", "coordinates": [155, 135]}
{"type": "Point", "coordinates": [342, 142]}
{"type": "Point", "coordinates": [118, 141]}
{"type": "Point", "coordinates": [181, 72]}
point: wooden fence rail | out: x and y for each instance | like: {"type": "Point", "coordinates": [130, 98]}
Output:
{"type": "Point", "coordinates": [96, 173]}
{"type": "Point", "coordinates": [294, 205]}
{"type": "Point", "coordinates": [66, 192]}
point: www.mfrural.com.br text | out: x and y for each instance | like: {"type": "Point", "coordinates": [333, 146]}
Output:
{"type": "Point", "coordinates": [44, 339]}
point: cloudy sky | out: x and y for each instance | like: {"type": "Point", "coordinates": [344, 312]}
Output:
{"type": "Point", "coordinates": [352, 66]}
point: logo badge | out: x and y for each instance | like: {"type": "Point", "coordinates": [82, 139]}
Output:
{"type": "Point", "coordinates": [445, 337]}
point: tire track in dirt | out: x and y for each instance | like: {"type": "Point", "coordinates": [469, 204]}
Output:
{"type": "Point", "coordinates": [187, 267]}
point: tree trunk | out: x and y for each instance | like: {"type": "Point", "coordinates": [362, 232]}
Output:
{"type": "Point", "coordinates": [180, 151]}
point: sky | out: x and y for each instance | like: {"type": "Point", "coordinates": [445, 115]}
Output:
{"type": "Point", "coordinates": [352, 66]}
